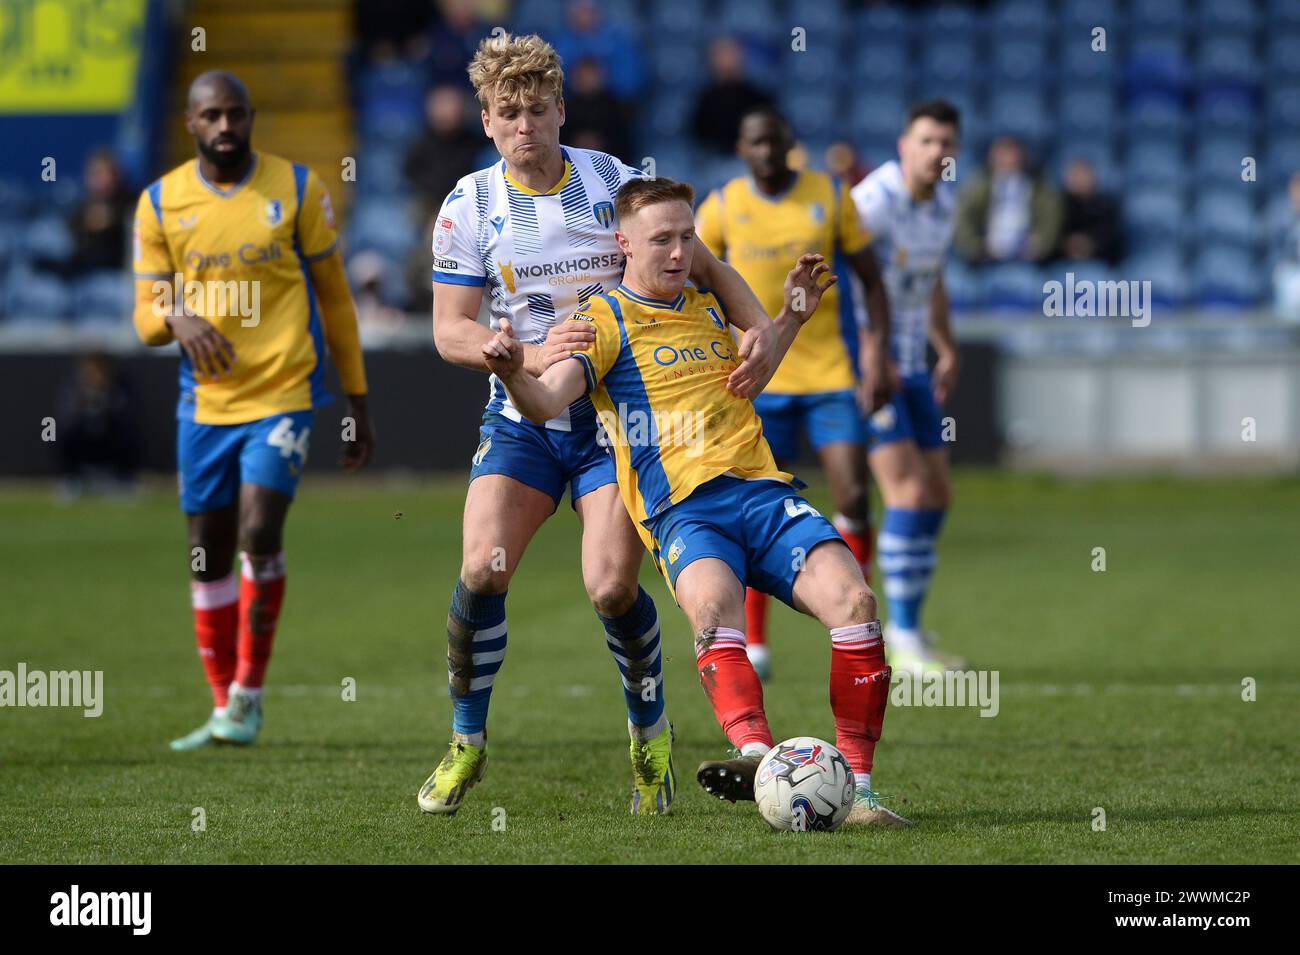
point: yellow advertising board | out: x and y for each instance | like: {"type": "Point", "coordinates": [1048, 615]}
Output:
{"type": "Point", "coordinates": [69, 56]}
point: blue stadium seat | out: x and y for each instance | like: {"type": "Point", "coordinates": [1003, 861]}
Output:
{"type": "Point", "coordinates": [1218, 159]}
{"type": "Point", "coordinates": [1155, 115]}
{"type": "Point", "coordinates": [36, 295]}
{"type": "Point", "coordinates": [1227, 216]}
{"type": "Point", "coordinates": [821, 65]}
{"type": "Point", "coordinates": [670, 113]}
{"type": "Point", "coordinates": [750, 16]}
{"type": "Point", "coordinates": [1282, 159]}
{"type": "Point", "coordinates": [1283, 15]}
{"type": "Point", "coordinates": [382, 225]}
{"type": "Point", "coordinates": [951, 61]}
{"type": "Point", "coordinates": [875, 114]}
{"type": "Point", "coordinates": [1232, 112]}
{"type": "Point", "coordinates": [1163, 268]}
{"type": "Point", "coordinates": [47, 237]}
{"type": "Point", "coordinates": [965, 285]}
{"type": "Point", "coordinates": [1227, 59]}
{"type": "Point", "coordinates": [390, 102]}
{"type": "Point", "coordinates": [1152, 17]}
{"type": "Point", "coordinates": [1019, 60]}
{"type": "Point", "coordinates": [1080, 16]}
{"type": "Point", "coordinates": [1078, 64]}
{"type": "Point", "coordinates": [1153, 215]}
{"type": "Point", "coordinates": [1217, 17]}
{"type": "Point", "coordinates": [1020, 18]}
{"type": "Point", "coordinates": [1022, 112]}
{"type": "Point", "coordinates": [1283, 57]}
{"type": "Point", "coordinates": [884, 23]}
{"type": "Point", "coordinates": [103, 297]}
{"type": "Point", "coordinates": [877, 64]}
{"type": "Point", "coordinates": [1014, 286]}
{"type": "Point", "coordinates": [949, 20]}
{"type": "Point", "coordinates": [1155, 162]}
{"type": "Point", "coordinates": [812, 111]}
{"type": "Point", "coordinates": [1228, 277]}
{"type": "Point", "coordinates": [379, 169]}
{"type": "Point", "coordinates": [1088, 112]}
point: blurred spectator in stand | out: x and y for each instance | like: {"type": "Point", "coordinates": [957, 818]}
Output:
{"type": "Point", "coordinates": [1092, 222]}
{"type": "Point", "coordinates": [729, 95]}
{"type": "Point", "coordinates": [444, 152]}
{"type": "Point", "coordinates": [392, 29]}
{"type": "Point", "coordinates": [454, 40]}
{"type": "Point", "coordinates": [843, 162]}
{"type": "Point", "coordinates": [99, 224]}
{"type": "Point", "coordinates": [593, 116]}
{"type": "Point", "coordinates": [1286, 273]}
{"type": "Point", "coordinates": [419, 281]}
{"type": "Point", "coordinates": [376, 318]}
{"type": "Point", "coordinates": [587, 37]}
{"type": "Point", "coordinates": [1008, 213]}
{"type": "Point", "coordinates": [97, 440]}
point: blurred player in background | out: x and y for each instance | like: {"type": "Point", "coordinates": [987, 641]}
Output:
{"type": "Point", "coordinates": [535, 233]}
{"type": "Point", "coordinates": [711, 504]}
{"type": "Point", "coordinates": [760, 223]}
{"type": "Point", "coordinates": [910, 209]}
{"type": "Point", "coordinates": [256, 235]}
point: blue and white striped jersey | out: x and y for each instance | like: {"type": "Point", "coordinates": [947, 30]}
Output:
{"type": "Point", "coordinates": [539, 256]}
{"type": "Point", "coordinates": [911, 242]}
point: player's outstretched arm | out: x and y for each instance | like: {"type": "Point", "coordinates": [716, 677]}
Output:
{"type": "Point", "coordinates": [339, 319]}
{"type": "Point", "coordinates": [757, 359]}
{"type": "Point", "coordinates": [879, 378]}
{"type": "Point", "coordinates": [940, 334]}
{"type": "Point", "coordinates": [803, 293]}
{"type": "Point", "coordinates": [458, 335]}
{"type": "Point", "coordinates": [538, 399]}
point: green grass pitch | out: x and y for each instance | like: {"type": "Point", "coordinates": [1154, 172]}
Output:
{"type": "Point", "coordinates": [1120, 690]}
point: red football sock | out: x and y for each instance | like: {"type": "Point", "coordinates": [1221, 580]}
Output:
{"type": "Point", "coordinates": [857, 534]}
{"type": "Point", "coordinates": [859, 691]}
{"type": "Point", "coordinates": [216, 627]}
{"type": "Point", "coordinates": [733, 689]}
{"type": "Point", "coordinates": [261, 594]}
{"type": "Point", "coordinates": [755, 616]}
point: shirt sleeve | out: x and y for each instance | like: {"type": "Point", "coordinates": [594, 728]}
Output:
{"type": "Point", "coordinates": [318, 234]}
{"type": "Point", "coordinates": [872, 206]}
{"type": "Point", "coordinates": [456, 259]}
{"type": "Point", "coordinates": [851, 235]}
{"type": "Point", "coordinates": [600, 356]}
{"type": "Point", "coordinates": [151, 259]}
{"type": "Point", "coordinates": [708, 224]}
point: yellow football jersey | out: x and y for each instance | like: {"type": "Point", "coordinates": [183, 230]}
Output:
{"type": "Point", "coordinates": [762, 236]}
{"type": "Point", "coordinates": [242, 257]}
{"type": "Point", "coordinates": [657, 373]}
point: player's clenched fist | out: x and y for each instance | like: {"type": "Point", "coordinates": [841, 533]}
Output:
{"type": "Point", "coordinates": [564, 339]}
{"type": "Point", "coordinates": [803, 290]}
{"type": "Point", "coordinates": [503, 353]}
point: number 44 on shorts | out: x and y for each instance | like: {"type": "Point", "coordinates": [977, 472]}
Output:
{"type": "Point", "coordinates": [282, 437]}
{"type": "Point", "coordinates": [795, 508]}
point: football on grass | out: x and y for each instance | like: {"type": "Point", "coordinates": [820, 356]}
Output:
{"type": "Point", "coordinates": [804, 785]}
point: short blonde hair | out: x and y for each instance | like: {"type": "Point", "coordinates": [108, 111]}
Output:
{"type": "Point", "coordinates": [636, 194]}
{"type": "Point", "coordinates": [516, 69]}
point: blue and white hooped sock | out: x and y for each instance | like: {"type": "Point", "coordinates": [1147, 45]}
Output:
{"type": "Point", "coordinates": [476, 647]}
{"type": "Point", "coordinates": [906, 548]}
{"type": "Point", "coordinates": [634, 640]}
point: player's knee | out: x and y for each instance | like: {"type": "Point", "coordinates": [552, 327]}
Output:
{"type": "Point", "coordinates": [912, 493]}
{"type": "Point", "coordinates": [257, 536]}
{"type": "Point", "coordinates": [860, 603]}
{"type": "Point", "coordinates": [484, 576]}
{"type": "Point", "coordinates": [853, 500]}
{"type": "Point", "coordinates": [940, 494]}
{"type": "Point", "coordinates": [612, 597]}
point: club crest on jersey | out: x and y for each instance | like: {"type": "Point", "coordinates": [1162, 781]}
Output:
{"type": "Point", "coordinates": [507, 270]}
{"type": "Point", "coordinates": [717, 319]}
{"type": "Point", "coordinates": [603, 213]}
{"type": "Point", "coordinates": [676, 550]}
{"type": "Point", "coordinates": [273, 212]}
{"type": "Point", "coordinates": [442, 236]}
{"type": "Point", "coordinates": [482, 451]}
